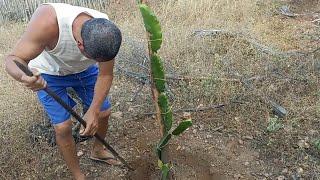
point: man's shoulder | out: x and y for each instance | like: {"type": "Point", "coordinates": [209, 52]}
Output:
{"type": "Point", "coordinates": [44, 18]}
{"type": "Point", "coordinates": [44, 22]}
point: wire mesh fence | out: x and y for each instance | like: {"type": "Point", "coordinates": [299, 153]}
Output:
{"type": "Point", "coordinates": [21, 10]}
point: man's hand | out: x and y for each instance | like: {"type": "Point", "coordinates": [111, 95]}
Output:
{"type": "Point", "coordinates": [91, 118]}
{"type": "Point", "coordinates": [35, 83]}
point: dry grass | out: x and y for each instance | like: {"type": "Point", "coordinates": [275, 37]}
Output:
{"type": "Point", "coordinates": [292, 81]}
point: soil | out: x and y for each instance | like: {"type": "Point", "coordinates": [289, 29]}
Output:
{"type": "Point", "coordinates": [206, 151]}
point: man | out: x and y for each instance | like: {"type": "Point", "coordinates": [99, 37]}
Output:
{"type": "Point", "coordinates": [74, 47]}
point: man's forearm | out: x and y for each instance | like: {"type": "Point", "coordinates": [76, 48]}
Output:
{"type": "Point", "coordinates": [101, 91]}
{"type": "Point", "coordinates": [12, 68]}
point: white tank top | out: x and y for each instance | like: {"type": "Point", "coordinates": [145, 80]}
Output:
{"type": "Point", "coordinates": [66, 57]}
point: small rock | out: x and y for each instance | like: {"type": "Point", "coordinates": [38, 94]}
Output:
{"type": "Point", "coordinates": [248, 137]}
{"type": "Point", "coordinates": [117, 115]}
{"type": "Point", "coordinates": [295, 177]}
{"type": "Point", "coordinates": [307, 145]}
{"type": "Point", "coordinates": [130, 109]}
{"type": "Point", "coordinates": [300, 171]}
{"type": "Point", "coordinates": [281, 178]}
{"type": "Point", "coordinates": [178, 148]}
{"type": "Point", "coordinates": [285, 171]}
{"type": "Point", "coordinates": [186, 115]}
{"type": "Point", "coordinates": [312, 132]}
{"type": "Point", "coordinates": [201, 127]}
{"type": "Point", "coordinates": [194, 131]}
{"type": "Point", "coordinates": [238, 176]}
{"type": "Point", "coordinates": [93, 169]}
{"type": "Point", "coordinates": [267, 174]}
{"type": "Point", "coordinates": [240, 142]}
{"type": "Point", "coordinates": [212, 171]}
{"type": "Point", "coordinates": [288, 128]}
{"type": "Point", "coordinates": [246, 163]}
{"type": "Point", "coordinates": [303, 144]}
{"type": "Point", "coordinates": [84, 143]}
{"type": "Point", "coordinates": [80, 153]}
{"type": "Point", "coordinates": [209, 136]}
{"type": "Point", "coordinates": [200, 106]}
{"type": "Point", "coordinates": [205, 141]}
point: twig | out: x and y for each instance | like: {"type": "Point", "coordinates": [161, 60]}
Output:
{"type": "Point", "coordinates": [137, 92]}
{"type": "Point", "coordinates": [285, 10]}
{"type": "Point", "coordinates": [203, 33]}
{"type": "Point", "coordinates": [256, 78]}
{"type": "Point", "coordinates": [217, 129]}
{"type": "Point", "coordinates": [278, 109]}
{"type": "Point", "coordinates": [191, 109]}
{"type": "Point", "coordinates": [142, 78]}
{"type": "Point", "coordinates": [170, 76]}
{"type": "Point", "coordinates": [316, 50]}
{"type": "Point", "coordinates": [261, 47]}
{"type": "Point", "coordinates": [136, 63]}
{"type": "Point", "coordinates": [2, 174]}
{"type": "Point", "coordinates": [199, 109]}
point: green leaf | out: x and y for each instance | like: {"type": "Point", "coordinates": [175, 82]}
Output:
{"type": "Point", "coordinates": [317, 144]}
{"type": "Point", "coordinates": [157, 71]}
{"type": "Point", "coordinates": [274, 124]}
{"type": "Point", "coordinates": [164, 141]}
{"type": "Point", "coordinates": [166, 112]}
{"type": "Point", "coordinates": [182, 127]}
{"type": "Point", "coordinates": [152, 25]}
{"type": "Point", "coordinates": [158, 152]}
{"type": "Point", "coordinates": [165, 171]}
{"type": "Point", "coordinates": [160, 163]}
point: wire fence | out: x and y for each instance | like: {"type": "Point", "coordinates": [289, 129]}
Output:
{"type": "Point", "coordinates": [21, 10]}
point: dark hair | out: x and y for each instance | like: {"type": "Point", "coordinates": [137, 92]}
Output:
{"type": "Point", "coordinates": [101, 39]}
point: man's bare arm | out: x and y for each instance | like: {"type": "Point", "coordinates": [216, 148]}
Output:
{"type": "Point", "coordinates": [36, 37]}
{"type": "Point", "coordinates": [101, 90]}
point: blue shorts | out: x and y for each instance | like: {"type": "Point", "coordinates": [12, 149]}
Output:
{"type": "Point", "coordinates": [83, 83]}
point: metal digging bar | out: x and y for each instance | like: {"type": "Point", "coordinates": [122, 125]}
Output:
{"type": "Point", "coordinates": [74, 114]}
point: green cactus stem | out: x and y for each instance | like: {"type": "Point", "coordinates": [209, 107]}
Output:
{"type": "Point", "coordinates": [152, 25]}
{"type": "Point", "coordinates": [166, 112]}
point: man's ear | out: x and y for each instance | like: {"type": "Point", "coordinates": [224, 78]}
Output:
{"type": "Point", "coordinates": [80, 45]}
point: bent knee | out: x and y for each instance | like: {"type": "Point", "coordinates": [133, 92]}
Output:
{"type": "Point", "coordinates": [63, 129]}
{"type": "Point", "coordinates": [105, 114]}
